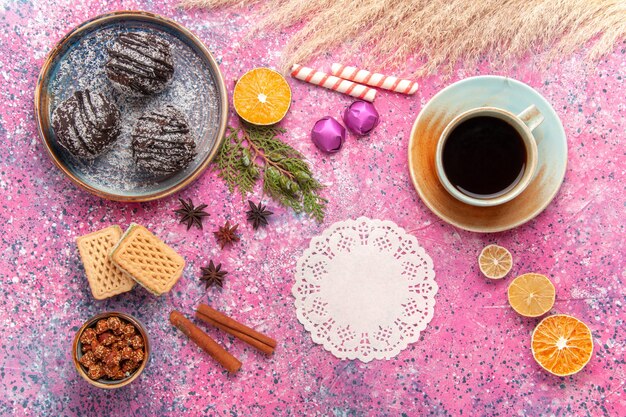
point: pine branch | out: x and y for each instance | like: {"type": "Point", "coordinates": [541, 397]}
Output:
{"type": "Point", "coordinates": [250, 152]}
{"type": "Point", "coordinates": [233, 162]}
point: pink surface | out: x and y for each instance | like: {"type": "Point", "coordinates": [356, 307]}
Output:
{"type": "Point", "coordinates": [474, 357]}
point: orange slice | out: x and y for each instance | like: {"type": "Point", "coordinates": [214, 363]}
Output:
{"type": "Point", "coordinates": [495, 261]}
{"type": "Point", "coordinates": [531, 295]}
{"type": "Point", "coordinates": [562, 344]}
{"type": "Point", "coordinates": [262, 97]}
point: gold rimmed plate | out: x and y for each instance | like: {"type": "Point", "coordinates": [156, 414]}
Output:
{"type": "Point", "coordinates": [197, 90]}
{"type": "Point", "coordinates": [487, 91]}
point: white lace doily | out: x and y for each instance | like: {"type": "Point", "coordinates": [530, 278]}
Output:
{"type": "Point", "coordinates": [365, 289]}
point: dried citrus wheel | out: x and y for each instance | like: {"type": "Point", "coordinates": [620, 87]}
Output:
{"type": "Point", "coordinates": [262, 97]}
{"type": "Point", "coordinates": [562, 344]}
{"type": "Point", "coordinates": [531, 295]}
{"type": "Point", "coordinates": [495, 261]}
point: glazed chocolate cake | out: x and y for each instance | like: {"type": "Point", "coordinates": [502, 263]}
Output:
{"type": "Point", "coordinates": [162, 142]}
{"type": "Point", "coordinates": [86, 124]}
{"type": "Point", "coordinates": [140, 63]}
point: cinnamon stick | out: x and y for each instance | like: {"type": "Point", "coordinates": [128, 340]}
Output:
{"type": "Point", "coordinates": [207, 344]}
{"type": "Point", "coordinates": [239, 335]}
{"type": "Point", "coordinates": [233, 327]}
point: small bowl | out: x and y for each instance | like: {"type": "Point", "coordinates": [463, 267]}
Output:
{"type": "Point", "coordinates": [77, 352]}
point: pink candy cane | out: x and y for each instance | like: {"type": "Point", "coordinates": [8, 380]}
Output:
{"type": "Point", "coordinates": [322, 79]}
{"type": "Point", "coordinates": [374, 79]}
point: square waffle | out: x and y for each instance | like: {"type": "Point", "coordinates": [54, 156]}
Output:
{"type": "Point", "coordinates": [146, 259]}
{"type": "Point", "coordinates": [105, 280]}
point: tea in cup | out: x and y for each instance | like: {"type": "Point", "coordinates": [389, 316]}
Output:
{"type": "Point", "coordinates": [487, 156]}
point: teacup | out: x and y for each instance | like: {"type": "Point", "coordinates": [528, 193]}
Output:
{"type": "Point", "coordinates": [487, 156]}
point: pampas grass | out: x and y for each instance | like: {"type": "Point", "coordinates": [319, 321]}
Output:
{"type": "Point", "coordinates": [439, 33]}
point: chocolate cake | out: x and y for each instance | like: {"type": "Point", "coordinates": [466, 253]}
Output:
{"type": "Point", "coordinates": [162, 141]}
{"type": "Point", "coordinates": [140, 63]}
{"type": "Point", "coordinates": [86, 124]}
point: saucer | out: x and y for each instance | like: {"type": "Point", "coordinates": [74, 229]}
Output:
{"type": "Point", "coordinates": [493, 91]}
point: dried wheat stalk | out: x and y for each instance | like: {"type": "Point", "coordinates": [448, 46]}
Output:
{"type": "Point", "coordinates": [440, 33]}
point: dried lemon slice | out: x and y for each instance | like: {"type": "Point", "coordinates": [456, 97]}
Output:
{"type": "Point", "coordinates": [531, 295]}
{"type": "Point", "coordinates": [495, 261]}
{"type": "Point", "coordinates": [262, 97]}
{"type": "Point", "coordinates": [562, 344]}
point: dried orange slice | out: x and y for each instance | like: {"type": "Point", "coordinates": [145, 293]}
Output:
{"type": "Point", "coordinates": [495, 261]}
{"type": "Point", "coordinates": [562, 344]}
{"type": "Point", "coordinates": [531, 295]}
{"type": "Point", "coordinates": [262, 97]}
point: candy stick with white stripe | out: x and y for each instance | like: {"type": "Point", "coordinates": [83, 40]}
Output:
{"type": "Point", "coordinates": [340, 85]}
{"type": "Point", "coordinates": [374, 79]}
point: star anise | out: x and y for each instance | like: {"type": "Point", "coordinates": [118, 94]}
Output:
{"type": "Point", "coordinates": [227, 235]}
{"type": "Point", "coordinates": [213, 275]}
{"type": "Point", "coordinates": [258, 215]}
{"type": "Point", "coordinates": [190, 214]}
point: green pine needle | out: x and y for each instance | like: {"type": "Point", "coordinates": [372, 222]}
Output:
{"type": "Point", "coordinates": [250, 153]}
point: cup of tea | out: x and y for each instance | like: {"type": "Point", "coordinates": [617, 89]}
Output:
{"type": "Point", "coordinates": [487, 156]}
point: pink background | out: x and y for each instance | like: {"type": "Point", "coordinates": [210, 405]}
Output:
{"type": "Point", "coordinates": [474, 357]}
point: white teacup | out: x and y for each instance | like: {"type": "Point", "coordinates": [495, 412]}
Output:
{"type": "Point", "coordinates": [524, 123]}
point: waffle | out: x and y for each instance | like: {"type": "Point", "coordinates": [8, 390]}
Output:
{"type": "Point", "coordinates": [105, 280]}
{"type": "Point", "coordinates": [146, 259]}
